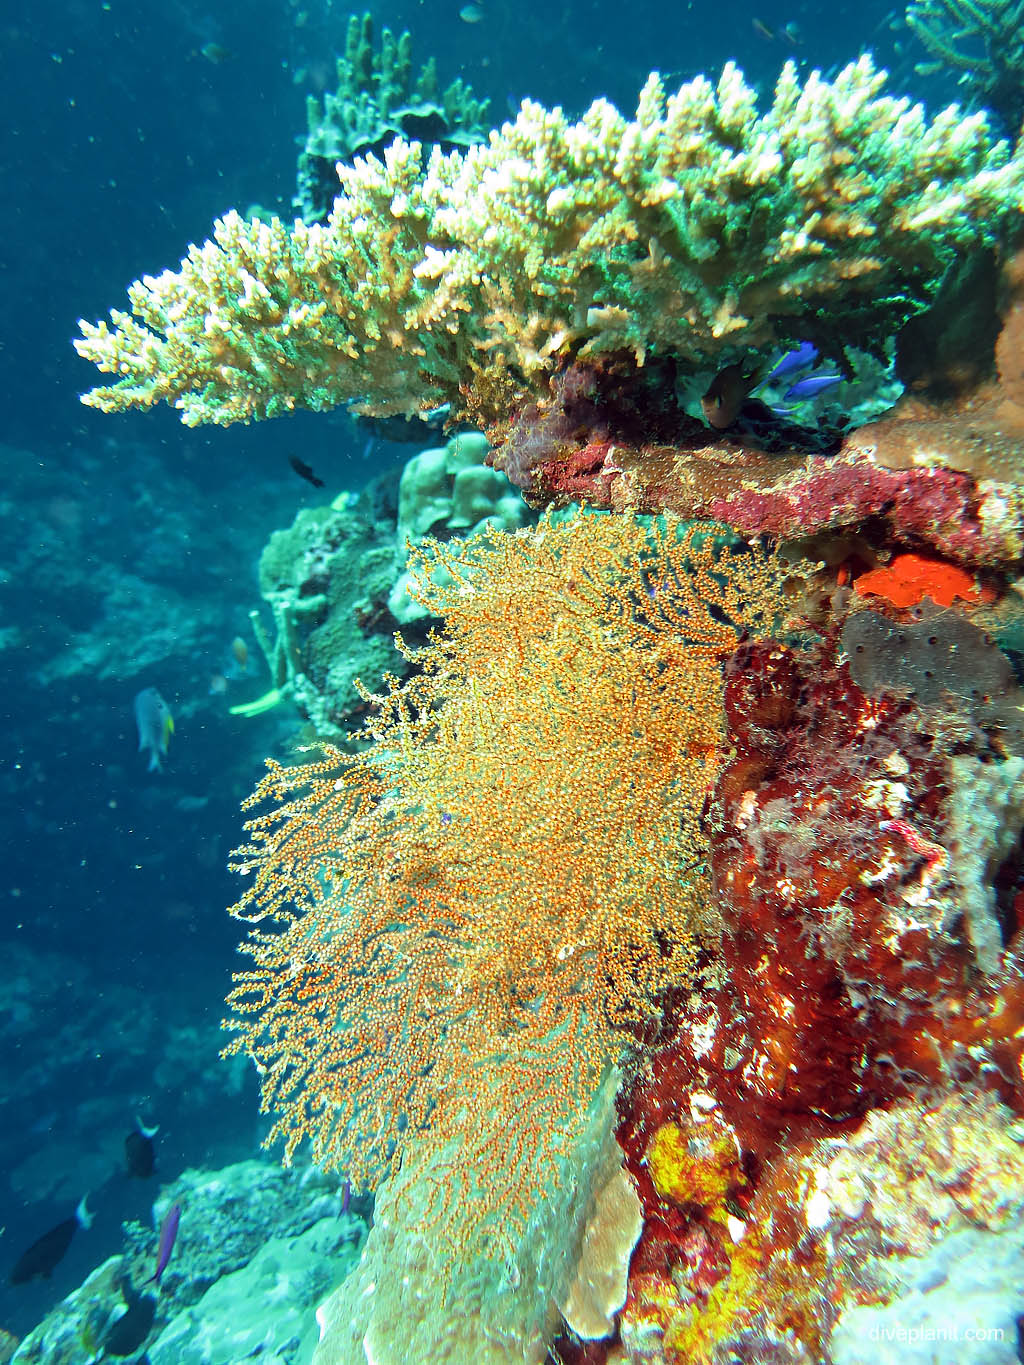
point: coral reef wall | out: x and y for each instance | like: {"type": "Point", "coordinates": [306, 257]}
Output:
{"type": "Point", "coordinates": [710, 794]}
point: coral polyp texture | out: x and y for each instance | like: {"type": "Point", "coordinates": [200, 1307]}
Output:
{"type": "Point", "coordinates": [698, 228]}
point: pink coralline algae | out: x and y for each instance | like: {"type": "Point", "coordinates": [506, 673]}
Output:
{"type": "Point", "coordinates": [792, 496]}
{"type": "Point", "coordinates": [555, 457]}
{"type": "Point", "coordinates": [944, 474]}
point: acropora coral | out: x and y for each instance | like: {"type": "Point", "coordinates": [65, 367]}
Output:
{"type": "Point", "coordinates": [376, 100]}
{"type": "Point", "coordinates": [699, 228]}
{"type": "Point", "coordinates": [981, 43]}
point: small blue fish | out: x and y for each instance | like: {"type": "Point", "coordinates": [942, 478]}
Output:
{"type": "Point", "coordinates": [810, 387]}
{"type": "Point", "coordinates": [802, 358]}
{"type": "Point", "coordinates": [155, 725]}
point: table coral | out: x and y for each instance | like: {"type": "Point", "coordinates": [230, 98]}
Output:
{"type": "Point", "coordinates": [696, 229]}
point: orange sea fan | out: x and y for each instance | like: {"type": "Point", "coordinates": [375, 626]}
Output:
{"type": "Point", "coordinates": [460, 928]}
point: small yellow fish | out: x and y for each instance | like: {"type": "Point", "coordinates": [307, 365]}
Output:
{"type": "Point", "coordinates": [471, 14]}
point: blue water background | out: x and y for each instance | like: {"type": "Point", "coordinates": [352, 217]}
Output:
{"type": "Point", "coordinates": [120, 144]}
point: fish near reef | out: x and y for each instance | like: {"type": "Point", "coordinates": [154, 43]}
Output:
{"type": "Point", "coordinates": [133, 1326]}
{"type": "Point", "coordinates": [139, 1152]}
{"type": "Point", "coordinates": [155, 725]}
{"type": "Point", "coordinates": [168, 1232]}
{"type": "Point", "coordinates": [802, 357]}
{"type": "Point", "coordinates": [304, 471]}
{"type": "Point", "coordinates": [726, 394]}
{"type": "Point", "coordinates": [729, 399]}
{"type": "Point", "coordinates": [46, 1252]}
{"type": "Point", "coordinates": [811, 386]}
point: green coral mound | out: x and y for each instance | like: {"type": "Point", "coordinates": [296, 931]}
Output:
{"type": "Point", "coordinates": [699, 228]}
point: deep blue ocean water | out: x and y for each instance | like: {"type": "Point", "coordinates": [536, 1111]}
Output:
{"type": "Point", "coordinates": [134, 541]}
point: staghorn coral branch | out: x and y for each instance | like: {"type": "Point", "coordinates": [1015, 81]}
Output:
{"type": "Point", "coordinates": [983, 40]}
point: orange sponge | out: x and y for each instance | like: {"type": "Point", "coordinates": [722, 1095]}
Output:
{"type": "Point", "coordinates": [910, 578]}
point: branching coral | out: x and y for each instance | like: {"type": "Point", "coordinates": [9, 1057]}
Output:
{"type": "Point", "coordinates": [376, 101]}
{"type": "Point", "coordinates": [479, 912]}
{"type": "Point", "coordinates": [698, 227]}
{"type": "Point", "coordinates": [982, 43]}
